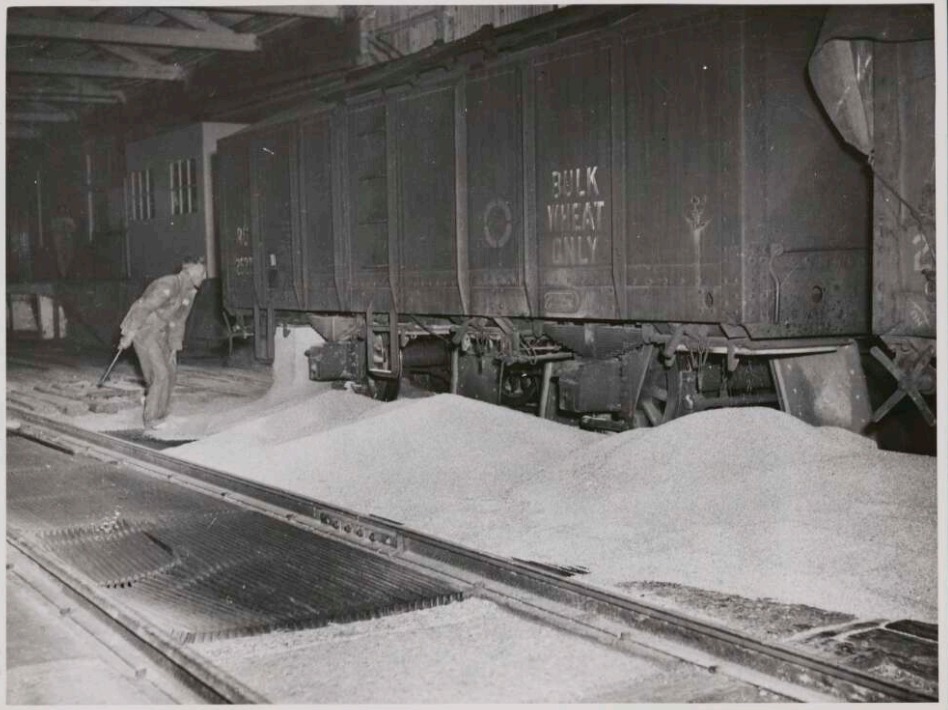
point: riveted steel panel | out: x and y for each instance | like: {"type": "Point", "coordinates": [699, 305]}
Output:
{"type": "Point", "coordinates": [236, 237]}
{"type": "Point", "coordinates": [574, 204]}
{"type": "Point", "coordinates": [272, 158]}
{"type": "Point", "coordinates": [316, 213]}
{"type": "Point", "coordinates": [804, 191]}
{"type": "Point", "coordinates": [427, 201]}
{"type": "Point", "coordinates": [494, 194]}
{"type": "Point", "coordinates": [682, 116]}
{"type": "Point", "coordinates": [367, 199]}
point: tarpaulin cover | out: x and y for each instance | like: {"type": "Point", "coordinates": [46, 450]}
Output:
{"type": "Point", "coordinates": [841, 64]}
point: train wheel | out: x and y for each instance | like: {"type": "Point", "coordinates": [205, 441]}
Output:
{"type": "Point", "coordinates": [660, 396]}
{"type": "Point", "coordinates": [519, 389]}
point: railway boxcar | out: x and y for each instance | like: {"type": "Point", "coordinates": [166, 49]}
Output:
{"type": "Point", "coordinates": [613, 214]}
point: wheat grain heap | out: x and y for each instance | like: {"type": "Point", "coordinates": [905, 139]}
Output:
{"type": "Point", "coordinates": [744, 501]}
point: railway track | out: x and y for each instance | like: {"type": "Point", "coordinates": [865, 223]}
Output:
{"type": "Point", "coordinates": [162, 572]}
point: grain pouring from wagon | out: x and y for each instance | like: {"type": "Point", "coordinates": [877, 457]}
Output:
{"type": "Point", "coordinates": [155, 326]}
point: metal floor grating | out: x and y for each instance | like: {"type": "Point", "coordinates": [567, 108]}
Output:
{"type": "Point", "coordinates": [138, 436]}
{"type": "Point", "coordinates": [200, 567]}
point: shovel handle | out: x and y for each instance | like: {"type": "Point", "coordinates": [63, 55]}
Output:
{"type": "Point", "coordinates": [105, 375]}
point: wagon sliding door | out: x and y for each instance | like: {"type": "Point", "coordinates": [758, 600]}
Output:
{"type": "Point", "coordinates": [682, 190]}
{"type": "Point", "coordinates": [366, 177]}
{"type": "Point", "coordinates": [316, 215]}
{"type": "Point", "coordinates": [427, 254]}
{"type": "Point", "coordinates": [273, 165]}
{"type": "Point", "coordinates": [574, 203]}
{"type": "Point", "coordinates": [493, 104]}
{"type": "Point", "coordinates": [237, 252]}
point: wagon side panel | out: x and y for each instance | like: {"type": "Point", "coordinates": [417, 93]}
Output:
{"type": "Point", "coordinates": [236, 237]}
{"type": "Point", "coordinates": [427, 261]}
{"type": "Point", "coordinates": [573, 181]}
{"type": "Point", "coordinates": [806, 237]}
{"type": "Point", "coordinates": [368, 207]}
{"type": "Point", "coordinates": [682, 169]}
{"type": "Point", "coordinates": [494, 102]}
{"type": "Point", "coordinates": [316, 214]}
{"type": "Point", "coordinates": [273, 165]}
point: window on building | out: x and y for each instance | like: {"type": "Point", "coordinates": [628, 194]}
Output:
{"type": "Point", "coordinates": [184, 189]}
{"type": "Point", "coordinates": [141, 194]}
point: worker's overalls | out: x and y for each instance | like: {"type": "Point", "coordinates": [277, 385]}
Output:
{"type": "Point", "coordinates": [158, 319]}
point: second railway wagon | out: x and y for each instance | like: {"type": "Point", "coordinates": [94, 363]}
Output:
{"type": "Point", "coordinates": [617, 215]}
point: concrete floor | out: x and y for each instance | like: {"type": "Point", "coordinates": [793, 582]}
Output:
{"type": "Point", "coordinates": [52, 659]}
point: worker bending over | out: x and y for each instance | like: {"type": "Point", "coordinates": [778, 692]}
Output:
{"type": "Point", "coordinates": [155, 326]}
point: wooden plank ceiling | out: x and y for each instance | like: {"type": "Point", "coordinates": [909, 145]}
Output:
{"type": "Point", "coordinates": [65, 61]}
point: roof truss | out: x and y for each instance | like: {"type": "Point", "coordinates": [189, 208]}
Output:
{"type": "Point", "coordinates": [110, 70]}
{"type": "Point", "coordinates": [110, 33]}
{"type": "Point", "coordinates": [326, 11]}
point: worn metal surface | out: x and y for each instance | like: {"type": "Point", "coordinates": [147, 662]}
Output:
{"type": "Point", "coordinates": [595, 340]}
{"type": "Point", "coordinates": [683, 121]}
{"type": "Point", "coordinates": [272, 163]}
{"type": "Point", "coordinates": [367, 197]}
{"type": "Point", "coordinates": [479, 378]}
{"type": "Point", "coordinates": [803, 191]}
{"type": "Point", "coordinates": [494, 192]}
{"type": "Point", "coordinates": [317, 200]}
{"type": "Point", "coordinates": [592, 387]}
{"type": "Point", "coordinates": [826, 389]}
{"type": "Point", "coordinates": [904, 243]}
{"type": "Point", "coordinates": [655, 169]}
{"type": "Point", "coordinates": [337, 361]}
{"type": "Point", "coordinates": [236, 238]}
{"type": "Point", "coordinates": [200, 566]}
{"type": "Point", "coordinates": [427, 239]}
{"type": "Point", "coordinates": [573, 181]}
{"type": "Point", "coordinates": [316, 212]}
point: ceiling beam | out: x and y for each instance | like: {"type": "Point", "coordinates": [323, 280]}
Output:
{"type": "Point", "coordinates": [41, 117]}
{"type": "Point", "coordinates": [192, 18]}
{"type": "Point", "coordinates": [21, 131]}
{"type": "Point", "coordinates": [110, 70]}
{"type": "Point", "coordinates": [31, 105]}
{"type": "Point", "coordinates": [135, 56]}
{"type": "Point", "coordinates": [64, 98]}
{"type": "Point", "coordinates": [80, 89]}
{"type": "Point", "coordinates": [87, 86]}
{"type": "Point", "coordinates": [112, 33]}
{"type": "Point", "coordinates": [327, 11]}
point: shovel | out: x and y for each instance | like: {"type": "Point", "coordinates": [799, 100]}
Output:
{"type": "Point", "coordinates": [105, 375]}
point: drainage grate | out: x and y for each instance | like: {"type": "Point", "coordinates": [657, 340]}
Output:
{"type": "Point", "coordinates": [116, 558]}
{"type": "Point", "coordinates": [249, 573]}
{"type": "Point", "coordinates": [200, 567]}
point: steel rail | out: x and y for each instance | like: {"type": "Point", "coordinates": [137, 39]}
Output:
{"type": "Point", "coordinates": [605, 614]}
{"type": "Point", "coordinates": [212, 684]}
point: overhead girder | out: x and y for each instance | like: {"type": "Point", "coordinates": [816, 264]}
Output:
{"type": "Point", "coordinates": [130, 54]}
{"type": "Point", "coordinates": [22, 131]}
{"type": "Point", "coordinates": [41, 117]}
{"type": "Point", "coordinates": [325, 11]}
{"type": "Point", "coordinates": [110, 33]}
{"type": "Point", "coordinates": [63, 88]}
{"type": "Point", "coordinates": [194, 19]}
{"type": "Point", "coordinates": [111, 70]}
{"type": "Point", "coordinates": [63, 97]}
